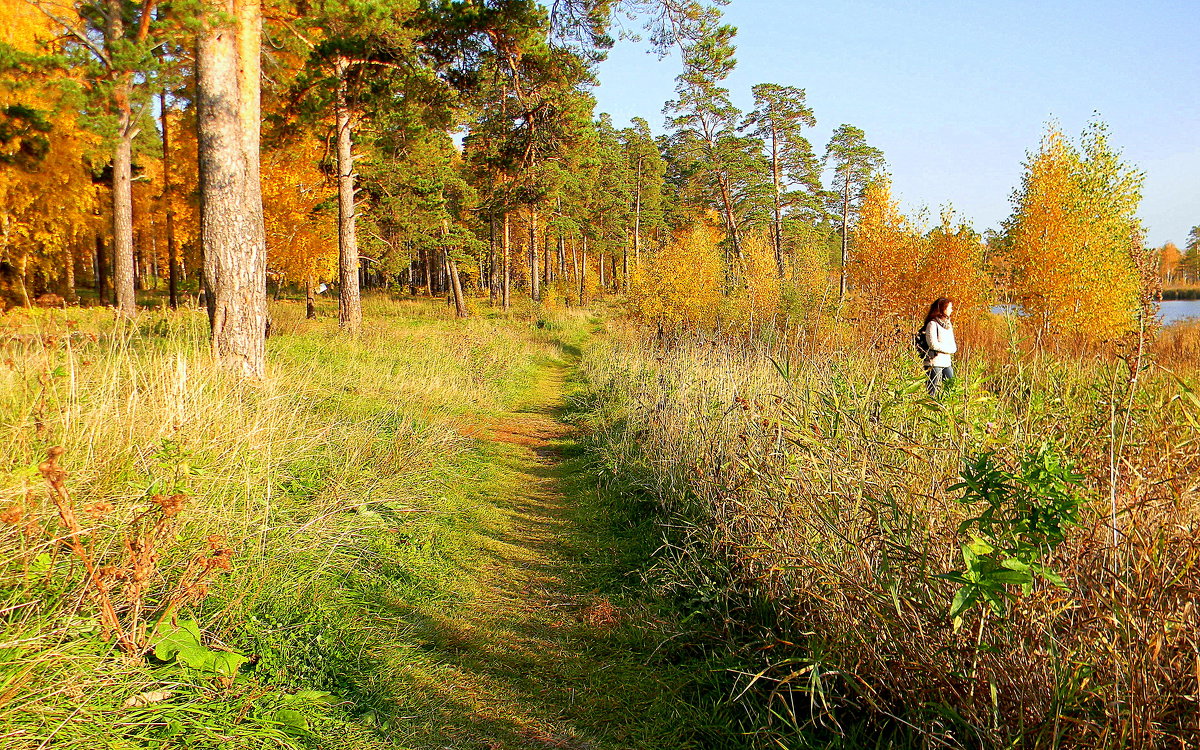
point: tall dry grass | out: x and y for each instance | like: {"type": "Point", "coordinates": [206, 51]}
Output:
{"type": "Point", "coordinates": [805, 494]}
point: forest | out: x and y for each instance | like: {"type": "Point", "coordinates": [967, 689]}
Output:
{"type": "Point", "coordinates": [364, 386]}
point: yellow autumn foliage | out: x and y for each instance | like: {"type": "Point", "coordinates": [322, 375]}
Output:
{"type": "Point", "coordinates": [897, 270]}
{"type": "Point", "coordinates": [301, 231]}
{"type": "Point", "coordinates": [679, 287]}
{"type": "Point", "coordinates": [1071, 240]}
{"type": "Point", "coordinates": [47, 199]}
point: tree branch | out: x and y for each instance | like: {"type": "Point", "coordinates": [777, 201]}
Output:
{"type": "Point", "coordinates": [72, 31]}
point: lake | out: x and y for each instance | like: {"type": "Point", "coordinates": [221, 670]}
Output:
{"type": "Point", "coordinates": [1169, 311]}
{"type": "Point", "coordinates": [1173, 311]}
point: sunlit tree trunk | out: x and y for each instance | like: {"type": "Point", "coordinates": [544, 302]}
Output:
{"type": "Point", "coordinates": [169, 200]}
{"type": "Point", "coordinates": [637, 218]}
{"type": "Point", "coordinates": [845, 236]}
{"type": "Point", "coordinates": [777, 195]}
{"type": "Point", "coordinates": [100, 270]}
{"type": "Point", "coordinates": [506, 270]}
{"type": "Point", "coordinates": [122, 174]}
{"type": "Point", "coordinates": [460, 304]}
{"type": "Point", "coordinates": [122, 182]}
{"type": "Point", "coordinates": [310, 298]}
{"type": "Point", "coordinates": [493, 281]}
{"type": "Point", "coordinates": [231, 222]}
{"type": "Point", "coordinates": [575, 269]}
{"type": "Point", "coordinates": [349, 297]}
{"type": "Point", "coordinates": [534, 292]}
{"type": "Point", "coordinates": [583, 272]}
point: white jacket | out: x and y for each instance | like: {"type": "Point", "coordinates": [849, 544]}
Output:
{"type": "Point", "coordinates": [941, 344]}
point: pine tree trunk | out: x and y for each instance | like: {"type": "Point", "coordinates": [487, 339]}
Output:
{"type": "Point", "coordinates": [100, 270]}
{"type": "Point", "coordinates": [575, 269]}
{"type": "Point", "coordinates": [583, 272]}
{"type": "Point", "coordinates": [460, 304]}
{"type": "Point", "coordinates": [599, 257]}
{"type": "Point", "coordinates": [777, 183]}
{"type": "Point", "coordinates": [506, 271]}
{"type": "Point", "coordinates": [122, 189]}
{"type": "Point", "coordinates": [169, 200]}
{"type": "Point", "coordinates": [845, 223]}
{"type": "Point", "coordinates": [534, 292]}
{"type": "Point", "coordinates": [231, 225]}
{"type": "Point", "coordinates": [122, 166]}
{"type": "Point", "coordinates": [349, 297]}
{"type": "Point", "coordinates": [491, 274]}
{"type": "Point", "coordinates": [310, 299]}
{"type": "Point", "coordinates": [637, 219]}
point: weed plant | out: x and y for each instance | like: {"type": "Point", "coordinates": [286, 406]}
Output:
{"type": "Point", "coordinates": [1012, 563]}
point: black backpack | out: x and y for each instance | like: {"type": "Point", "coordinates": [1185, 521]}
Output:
{"type": "Point", "coordinates": [921, 344]}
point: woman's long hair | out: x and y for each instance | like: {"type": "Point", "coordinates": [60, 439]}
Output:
{"type": "Point", "coordinates": [937, 311]}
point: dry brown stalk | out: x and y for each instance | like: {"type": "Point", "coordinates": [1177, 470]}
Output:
{"type": "Point", "coordinates": [138, 569]}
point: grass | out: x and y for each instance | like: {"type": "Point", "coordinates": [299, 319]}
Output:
{"type": "Point", "coordinates": [807, 494]}
{"type": "Point", "coordinates": [419, 556]}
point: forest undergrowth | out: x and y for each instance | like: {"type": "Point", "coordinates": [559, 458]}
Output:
{"type": "Point", "coordinates": [1011, 564]}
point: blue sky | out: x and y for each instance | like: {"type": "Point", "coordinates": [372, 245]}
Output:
{"type": "Point", "coordinates": [956, 93]}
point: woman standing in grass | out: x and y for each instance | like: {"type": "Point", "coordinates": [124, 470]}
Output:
{"type": "Point", "coordinates": [939, 334]}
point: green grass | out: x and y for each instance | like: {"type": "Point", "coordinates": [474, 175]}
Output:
{"type": "Point", "coordinates": [421, 555]}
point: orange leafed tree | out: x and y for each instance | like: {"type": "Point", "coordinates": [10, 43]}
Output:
{"type": "Point", "coordinates": [1073, 238]}
{"type": "Point", "coordinates": [897, 270]}
{"type": "Point", "coordinates": [680, 286]}
{"type": "Point", "coordinates": [47, 199]}
{"type": "Point", "coordinates": [1170, 260]}
{"type": "Point", "coordinates": [300, 220]}
{"type": "Point", "coordinates": [884, 268]}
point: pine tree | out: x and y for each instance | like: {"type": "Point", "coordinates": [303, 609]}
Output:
{"type": "Point", "coordinates": [648, 170]}
{"type": "Point", "coordinates": [232, 229]}
{"type": "Point", "coordinates": [778, 119]}
{"type": "Point", "coordinates": [117, 38]}
{"type": "Point", "coordinates": [854, 165]}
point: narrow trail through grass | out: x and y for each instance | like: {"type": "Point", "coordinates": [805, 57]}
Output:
{"type": "Point", "coordinates": [552, 647]}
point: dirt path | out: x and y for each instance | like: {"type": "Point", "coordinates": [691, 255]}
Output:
{"type": "Point", "coordinates": [549, 650]}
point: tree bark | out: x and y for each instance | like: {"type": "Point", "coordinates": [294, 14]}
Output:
{"type": "Point", "coordinates": [777, 183]}
{"type": "Point", "coordinates": [122, 164]}
{"type": "Point", "coordinates": [637, 219]}
{"type": "Point", "coordinates": [575, 270]}
{"type": "Point", "coordinates": [122, 187]}
{"type": "Point", "coordinates": [845, 222]}
{"type": "Point", "coordinates": [231, 222]}
{"type": "Point", "coordinates": [534, 292]}
{"type": "Point", "coordinates": [491, 271]}
{"type": "Point", "coordinates": [506, 271]}
{"type": "Point", "coordinates": [349, 297]}
{"type": "Point", "coordinates": [460, 304]}
{"type": "Point", "coordinates": [169, 200]}
{"type": "Point", "coordinates": [101, 270]}
{"type": "Point", "coordinates": [310, 299]}
{"type": "Point", "coordinates": [583, 272]}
